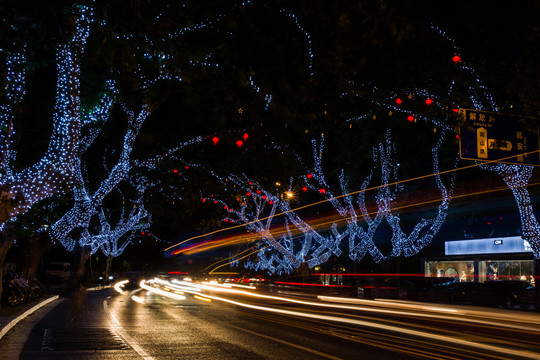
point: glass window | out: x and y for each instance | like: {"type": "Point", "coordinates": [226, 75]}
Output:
{"type": "Point", "coordinates": [506, 270]}
{"type": "Point", "coordinates": [461, 270]}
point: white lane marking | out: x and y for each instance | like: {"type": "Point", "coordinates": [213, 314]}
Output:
{"type": "Point", "coordinates": [287, 343]}
{"type": "Point", "coordinates": [117, 328]}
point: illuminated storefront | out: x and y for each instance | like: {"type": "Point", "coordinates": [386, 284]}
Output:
{"type": "Point", "coordinates": [507, 258]}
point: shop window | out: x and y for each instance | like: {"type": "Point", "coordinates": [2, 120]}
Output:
{"type": "Point", "coordinates": [460, 270]}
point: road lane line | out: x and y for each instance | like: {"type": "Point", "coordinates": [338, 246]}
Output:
{"type": "Point", "coordinates": [117, 328]}
{"type": "Point", "coordinates": [303, 348]}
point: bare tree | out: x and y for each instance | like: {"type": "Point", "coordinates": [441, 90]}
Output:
{"type": "Point", "coordinates": [361, 231]}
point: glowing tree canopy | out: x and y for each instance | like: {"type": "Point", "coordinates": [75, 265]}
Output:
{"type": "Point", "coordinates": [55, 172]}
{"type": "Point", "coordinates": [361, 232]}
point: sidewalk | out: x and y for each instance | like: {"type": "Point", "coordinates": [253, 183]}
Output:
{"type": "Point", "coordinates": [10, 316]}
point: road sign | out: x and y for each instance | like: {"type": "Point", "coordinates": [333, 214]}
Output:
{"type": "Point", "coordinates": [488, 136]}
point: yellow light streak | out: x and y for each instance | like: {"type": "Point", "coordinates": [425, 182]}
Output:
{"type": "Point", "coordinates": [161, 292]}
{"type": "Point", "coordinates": [118, 286]}
{"type": "Point", "coordinates": [202, 298]}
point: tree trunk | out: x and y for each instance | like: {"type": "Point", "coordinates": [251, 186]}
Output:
{"type": "Point", "coordinates": [35, 247]}
{"type": "Point", "coordinates": [6, 240]}
{"type": "Point", "coordinates": [78, 267]}
{"type": "Point", "coordinates": [108, 268]}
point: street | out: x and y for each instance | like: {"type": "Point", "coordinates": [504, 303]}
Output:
{"type": "Point", "coordinates": [222, 322]}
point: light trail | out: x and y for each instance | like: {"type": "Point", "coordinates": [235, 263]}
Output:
{"type": "Point", "coordinates": [369, 324]}
{"type": "Point", "coordinates": [353, 193]}
{"type": "Point", "coordinates": [118, 286]}
{"type": "Point", "coordinates": [161, 292]}
{"type": "Point", "coordinates": [227, 259]}
{"type": "Point", "coordinates": [490, 319]}
{"type": "Point", "coordinates": [529, 322]}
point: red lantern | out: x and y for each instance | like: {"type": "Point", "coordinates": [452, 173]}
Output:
{"type": "Point", "coordinates": [239, 143]}
{"type": "Point", "coordinates": [248, 194]}
{"type": "Point", "coordinates": [456, 59]}
{"type": "Point", "coordinates": [175, 171]}
{"type": "Point", "coordinates": [428, 102]}
{"type": "Point", "coordinates": [270, 202]}
{"type": "Point", "coordinates": [203, 200]}
{"type": "Point", "coordinates": [245, 136]}
{"type": "Point", "coordinates": [264, 197]}
{"type": "Point", "coordinates": [309, 176]}
{"type": "Point", "coordinates": [398, 101]}
{"type": "Point", "coordinates": [215, 140]}
{"type": "Point", "coordinates": [304, 189]}
{"type": "Point", "coordinates": [410, 118]}
{"type": "Point", "coordinates": [258, 191]}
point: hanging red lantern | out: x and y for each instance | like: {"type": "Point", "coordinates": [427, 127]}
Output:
{"type": "Point", "coordinates": [239, 143]}
{"type": "Point", "coordinates": [410, 118]}
{"type": "Point", "coordinates": [322, 191]}
{"type": "Point", "coordinates": [203, 200]}
{"type": "Point", "coordinates": [215, 140]}
{"type": "Point", "coordinates": [309, 176]}
{"type": "Point", "coordinates": [270, 202]}
{"type": "Point", "coordinates": [245, 136]}
{"type": "Point", "coordinates": [456, 59]}
{"type": "Point", "coordinates": [264, 197]}
{"type": "Point", "coordinates": [258, 191]}
{"type": "Point", "coordinates": [398, 101]}
{"type": "Point", "coordinates": [429, 102]}
{"type": "Point", "coordinates": [248, 194]}
{"type": "Point", "coordinates": [304, 189]}
{"type": "Point", "coordinates": [175, 171]}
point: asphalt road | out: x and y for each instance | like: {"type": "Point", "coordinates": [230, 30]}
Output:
{"type": "Point", "coordinates": [215, 323]}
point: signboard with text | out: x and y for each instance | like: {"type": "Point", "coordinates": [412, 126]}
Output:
{"type": "Point", "coordinates": [488, 136]}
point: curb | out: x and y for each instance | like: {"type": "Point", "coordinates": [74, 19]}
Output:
{"type": "Point", "coordinates": [20, 317]}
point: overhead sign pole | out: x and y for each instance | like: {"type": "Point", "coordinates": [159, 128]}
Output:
{"type": "Point", "coordinates": [488, 136]}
